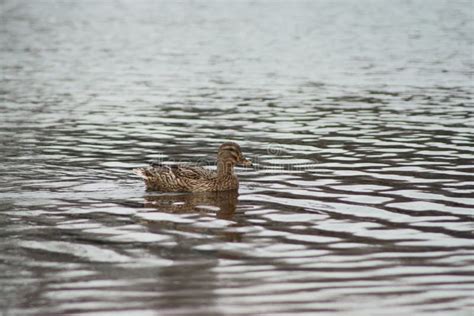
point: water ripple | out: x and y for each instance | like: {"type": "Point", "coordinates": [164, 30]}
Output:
{"type": "Point", "coordinates": [361, 195]}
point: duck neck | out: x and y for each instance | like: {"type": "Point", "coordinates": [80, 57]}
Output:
{"type": "Point", "coordinates": [225, 169]}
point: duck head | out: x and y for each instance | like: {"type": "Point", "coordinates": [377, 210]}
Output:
{"type": "Point", "coordinates": [230, 154]}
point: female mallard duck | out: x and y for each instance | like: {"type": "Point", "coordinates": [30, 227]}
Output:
{"type": "Point", "coordinates": [180, 178]}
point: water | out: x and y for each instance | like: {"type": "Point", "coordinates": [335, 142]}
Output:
{"type": "Point", "coordinates": [358, 117]}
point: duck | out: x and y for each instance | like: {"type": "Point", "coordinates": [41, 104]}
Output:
{"type": "Point", "coordinates": [184, 178]}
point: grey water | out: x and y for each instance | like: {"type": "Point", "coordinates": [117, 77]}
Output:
{"type": "Point", "coordinates": [358, 116]}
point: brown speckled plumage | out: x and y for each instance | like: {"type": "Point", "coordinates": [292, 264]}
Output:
{"type": "Point", "coordinates": [181, 178]}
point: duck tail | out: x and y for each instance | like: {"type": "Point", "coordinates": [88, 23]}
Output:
{"type": "Point", "coordinates": [141, 172]}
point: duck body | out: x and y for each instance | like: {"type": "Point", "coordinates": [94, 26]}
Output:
{"type": "Point", "coordinates": [184, 178]}
{"type": "Point", "coordinates": [181, 178]}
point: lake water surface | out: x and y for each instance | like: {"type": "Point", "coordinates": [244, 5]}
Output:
{"type": "Point", "coordinates": [358, 116]}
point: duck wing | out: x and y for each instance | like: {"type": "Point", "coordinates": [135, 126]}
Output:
{"type": "Point", "coordinates": [175, 171]}
{"type": "Point", "coordinates": [177, 178]}
{"type": "Point", "coordinates": [191, 172]}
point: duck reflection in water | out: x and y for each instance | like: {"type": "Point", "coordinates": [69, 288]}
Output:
{"type": "Point", "coordinates": [223, 203]}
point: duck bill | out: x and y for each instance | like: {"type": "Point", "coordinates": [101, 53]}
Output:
{"type": "Point", "coordinates": [245, 163]}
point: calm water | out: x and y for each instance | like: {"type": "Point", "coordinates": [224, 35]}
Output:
{"type": "Point", "coordinates": [358, 116]}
